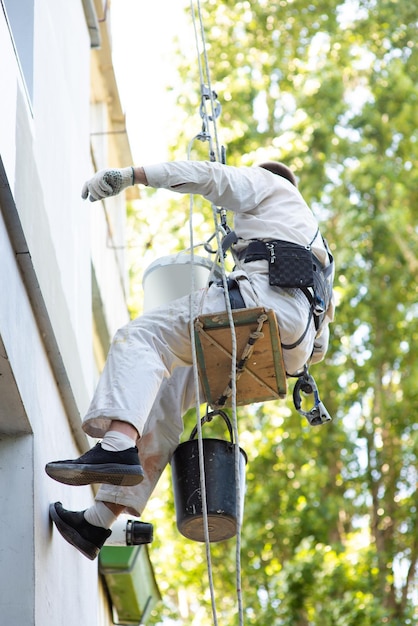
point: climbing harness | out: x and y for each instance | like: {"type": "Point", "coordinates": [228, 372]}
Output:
{"type": "Point", "coordinates": [292, 265]}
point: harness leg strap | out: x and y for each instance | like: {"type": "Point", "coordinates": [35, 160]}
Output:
{"type": "Point", "coordinates": [235, 297]}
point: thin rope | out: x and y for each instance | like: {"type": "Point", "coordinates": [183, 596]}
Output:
{"type": "Point", "coordinates": [207, 136]}
{"type": "Point", "coordinates": [237, 458]}
{"type": "Point", "coordinates": [205, 56]}
{"type": "Point", "coordinates": [204, 73]}
{"type": "Point", "coordinates": [199, 424]}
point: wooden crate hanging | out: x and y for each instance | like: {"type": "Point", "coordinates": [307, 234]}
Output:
{"type": "Point", "coordinates": [263, 376]}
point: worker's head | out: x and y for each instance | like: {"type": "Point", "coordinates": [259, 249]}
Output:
{"type": "Point", "coordinates": [280, 169]}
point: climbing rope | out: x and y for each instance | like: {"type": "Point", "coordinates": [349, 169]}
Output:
{"type": "Point", "coordinates": [206, 92]}
{"type": "Point", "coordinates": [209, 111]}
{"type": "Point", "coordinates": [199, 428]}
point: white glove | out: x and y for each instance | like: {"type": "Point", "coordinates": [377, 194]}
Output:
{"type": "Point", "coordinates": [107, 183]}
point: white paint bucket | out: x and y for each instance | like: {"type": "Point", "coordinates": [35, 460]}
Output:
{"type": "Point", "coordinates": [170, 277]}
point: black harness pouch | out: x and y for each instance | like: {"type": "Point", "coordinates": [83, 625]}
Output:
{"type": "Point", "coordinates": [290, 264]}
{"type": "Point", "coordinates": [294, 266]}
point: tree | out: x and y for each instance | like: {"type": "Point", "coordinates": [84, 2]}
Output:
{"type": "Point", "coordinates": [330, 537]}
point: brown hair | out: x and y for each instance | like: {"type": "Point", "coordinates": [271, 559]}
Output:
{"type": "Point", "coordinates": [280, 169]}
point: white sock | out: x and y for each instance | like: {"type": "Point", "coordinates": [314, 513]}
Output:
{"type": "Point", "coordinates": [100, 515]}
{"type": "Point", "coordinates": [113, 441]}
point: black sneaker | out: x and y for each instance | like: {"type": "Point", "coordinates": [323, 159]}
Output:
{"type": "Point", "coordinates": [99, 466]}
{"type": "Point", "coordinates": [75, 529]}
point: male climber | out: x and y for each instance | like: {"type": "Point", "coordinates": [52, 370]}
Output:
{"type": "Point", "coordinates": [147, 383]}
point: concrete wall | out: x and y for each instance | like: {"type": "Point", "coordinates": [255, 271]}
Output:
{"type": "Point", "coordinates": [49, 242]}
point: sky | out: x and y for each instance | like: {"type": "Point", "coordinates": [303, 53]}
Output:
{"type": "Point", "coordinates": [142, 40]}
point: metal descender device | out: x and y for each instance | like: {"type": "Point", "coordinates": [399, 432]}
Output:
{"type": "Point", "coordinates": [306, 384]}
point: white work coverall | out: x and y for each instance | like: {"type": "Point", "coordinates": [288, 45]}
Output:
{"type": "Point", "coordinates": [148, 377]}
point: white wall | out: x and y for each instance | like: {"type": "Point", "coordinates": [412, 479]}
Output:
{"type": "Point", "coordinates": [46, 158]}
{"type": "Point", "coordinates": [46, 234]}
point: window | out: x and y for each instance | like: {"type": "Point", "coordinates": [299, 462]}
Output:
{"type": "Point", "coordinates": [20, 16]}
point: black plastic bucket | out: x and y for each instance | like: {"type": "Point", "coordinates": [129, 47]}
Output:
{"type": "Point", "coordinates": [220, 483]}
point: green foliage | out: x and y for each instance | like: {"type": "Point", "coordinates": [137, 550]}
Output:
{"type": "Point", "coordinates": [329, 534]}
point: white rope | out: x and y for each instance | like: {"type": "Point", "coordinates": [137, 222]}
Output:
{"type": "Point", "coordinates": [199, 424]}
{"type": "Point", "coordinates": [204, 73]}
{"type": "Point", "coordinates": [237, 452]}
{"type": "Point", "coordinates": [209, 95]}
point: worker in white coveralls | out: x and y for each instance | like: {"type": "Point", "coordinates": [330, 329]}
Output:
{"type": "Point", "coordinates": [147, 383]}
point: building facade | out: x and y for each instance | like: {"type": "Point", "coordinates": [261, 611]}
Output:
{"type": "Point", "coordinates": [63, 290]}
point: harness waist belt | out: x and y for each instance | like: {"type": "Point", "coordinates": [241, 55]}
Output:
{"type": "Point", "coordinates": [255, 251]}
{"type": "Point", "coordinates": [318, 292]}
